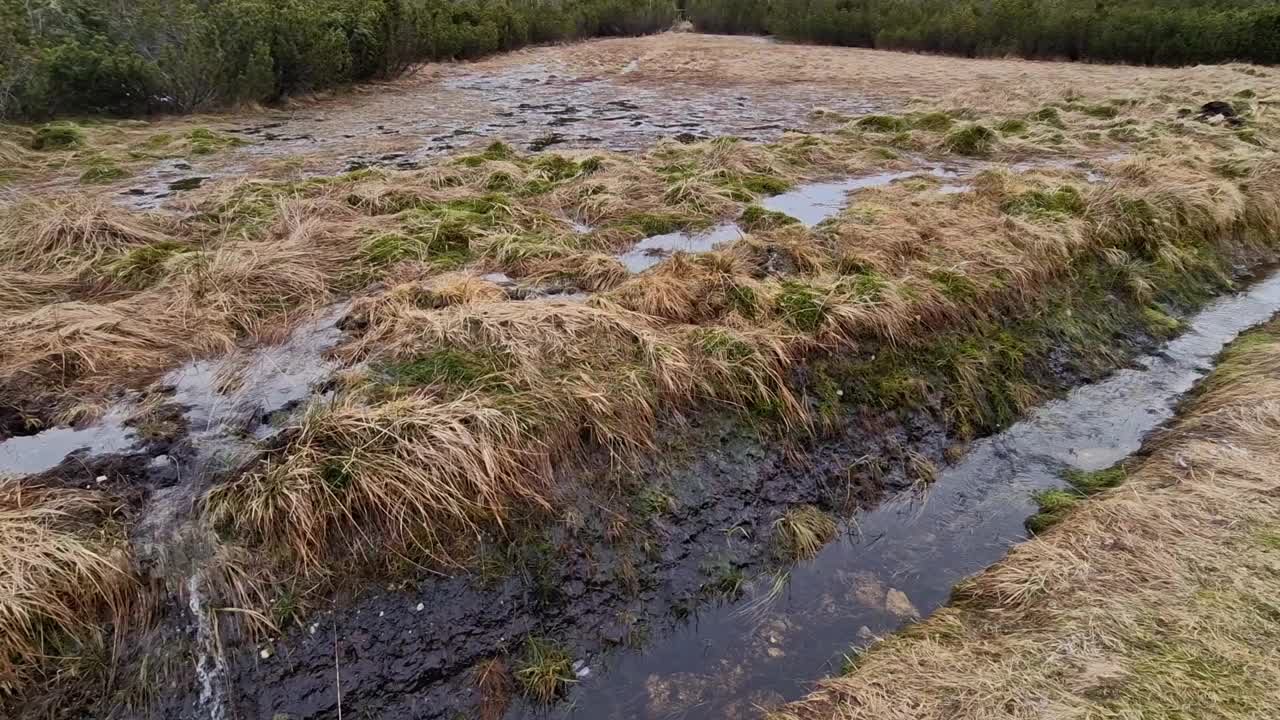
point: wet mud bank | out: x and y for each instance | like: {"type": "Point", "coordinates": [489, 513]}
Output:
{"type": "Point", "coordinates": [535, 106]}
{"type": "Point", "coordinates": [674, 599]}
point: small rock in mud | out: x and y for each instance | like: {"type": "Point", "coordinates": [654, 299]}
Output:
{"type": "Point", "coordinates": [1217, 107]}
{"type": "Point", "coordinates": [672, 695]}
{"type": "Point", "coordinates": [190, 183]}
{"type": "Point", "coordinates": [865, 589]}
{"type": "Point", "coordinates": [897, 602]}
{"type": "Point", "coordinates": [546, 141]}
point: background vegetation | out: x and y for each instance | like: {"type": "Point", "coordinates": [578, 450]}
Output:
{"type": "Point", "coordinates": [1156, 32]}
{"type": "Point", "coordinates": [138, 56]}
{"type": "Point", "coordinates": [135, 56]}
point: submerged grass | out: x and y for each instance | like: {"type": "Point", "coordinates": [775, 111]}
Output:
{"type": "Point", "coordinates": [1153, 600]}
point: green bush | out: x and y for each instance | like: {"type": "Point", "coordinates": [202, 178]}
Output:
{"type": "Point", "coordinates": [1154, 32]}
{"type": "Point", "coordinates": [86, 56]}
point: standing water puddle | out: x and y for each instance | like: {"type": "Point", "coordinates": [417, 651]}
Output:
{"type": "Point", "coordinates": [811, 203]}
{"type": "Point", "coordinates": [814, 203]}
{"type": "Point", "coordinates": [32, 454]}
{"type": "Point", "coordinates": [903, 558]}
{"type": "Point", "coordinates": [225, 401]}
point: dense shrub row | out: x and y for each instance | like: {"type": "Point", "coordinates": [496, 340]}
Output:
{"type": "Point", "coordinates": [1156, 32]}
{"type": "Point", "coordinates": [136, 56]}
{"type": "Point", "coordinates": [133, 56]}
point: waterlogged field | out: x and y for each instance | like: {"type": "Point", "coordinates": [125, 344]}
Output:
{"type": "Point", "coordinates": [471, 393]}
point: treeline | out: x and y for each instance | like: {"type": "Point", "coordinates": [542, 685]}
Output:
{"type": "Point", "coordinates": [139, 56]}
{"type": "Point", "coordinates": [1151, 32]}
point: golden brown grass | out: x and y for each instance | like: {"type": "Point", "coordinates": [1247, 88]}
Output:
{"type": "Point", "coordinates": [499, 393]}
{"type": "Point", "coordinates": [62, 571]}
{"type": "Point", "coordinates": [1156, 599]}
{"type": "Point", "coordinates": [472, 407]}
{"type": "Point", "coordinates": [459, 439]}
{"type": "Point", "coordinates": [802, 531]}
{"type": "Point", "coordinates": [72, 235]}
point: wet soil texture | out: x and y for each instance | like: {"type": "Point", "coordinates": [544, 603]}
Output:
{"type": "Point", "coordinates": [654, 634]}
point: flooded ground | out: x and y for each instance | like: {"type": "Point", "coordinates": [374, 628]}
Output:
{"type": "Point", "coordinates": [649, 639]}
{"type": "Point", "coordinates": [545, 103]}
{"type": "Point", "coordinates": [813, 203]}
{"type": "Point", "coordinates": [899, 561]}
{"type": "Point", "coordinates": [619, 93]}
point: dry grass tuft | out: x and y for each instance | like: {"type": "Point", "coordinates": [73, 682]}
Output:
{"type": "Point", "coordinates": [61, 572]}
{"type": "Point", "coordinates": [57, 344]}
{"type": "Point", "coordinates": [1155, 599]}
{"type": "Point", "coordinates": [494, 683]}
{"type": "Point", "coordinates": [72, 234]}
{"type": "Point", "coordinates": [802, 532]}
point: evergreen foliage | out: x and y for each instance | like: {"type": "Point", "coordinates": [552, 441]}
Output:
{"type": "Point", "coordinates": [1151, 32]}
{"type": "Point", "coordinates": [135, 56]}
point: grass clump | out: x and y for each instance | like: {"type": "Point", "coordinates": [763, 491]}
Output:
{"type": "Point", "coordinates": [1102, 112]}
{"type": "Point", "coordinates": [457, 368]}
{"type": "Point", "coordinates": [746, 188]}
{"type": "Point", "coordinates": [955, 285]}
{"type": "Point", "coordinates": [544, 670]}
{"type": "Point", "coordinates": [932, 121]}
{"type": "Point", "coordinates": [649, 224]}
{"type": "Point", "coordinates": [883, 123]}
{"type": "Point", "coordinates": [1160, 323]}
{"type": "Point", "coordinates": [1052, 506]}
{"type": "Point", "coordinates": [724, 579]}
{"type": "Point", "coordinates": [971, 139]}
{"type": "Point", "coordinates": [498, 150]}
{"type": "Point", "coordinates": [103, 171]}
{"type": "Point", "coordinates": [390, 248]}
{"type": "Point", "coordinates": [802, 531]}
{"type": "Point", "coordinates": [802, 306]}
{"type": "Point", "coordinates": [1012, 126]}
{"type": "Point", "coordinates": [441, 234]}
{"type": "Point", "coordinates": [203, 141]}
{"type": "Point", "coordinates": [1061, 201]}
{"type": "Point", "coordinates": [1049, 116]}
{"type": "Point", "coordinates": [755, 219]}
{"type": "Point", "coordinates": [1126, 134]}
{"type": "Point", "coordinates": [558, 168]}
{"type": "Point", "coordinates": [142, 266]}
{"type": "Point", "coordinates": [1091, 482]}
{"type": "Point", "coordinates": [58, 136]}
{"type": "Point", "coordinates": [62, 569]}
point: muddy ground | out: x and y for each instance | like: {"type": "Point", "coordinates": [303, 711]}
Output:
{"type": "Point", "coordinates": [694, 517]}
{"type": "Point", "coordinates": [619, 93]}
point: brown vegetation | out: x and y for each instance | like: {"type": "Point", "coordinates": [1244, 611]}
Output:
{"type": "Point", "coordinates": [472, 405]}
{"type": "Point", "coordinates": [63, 570]}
